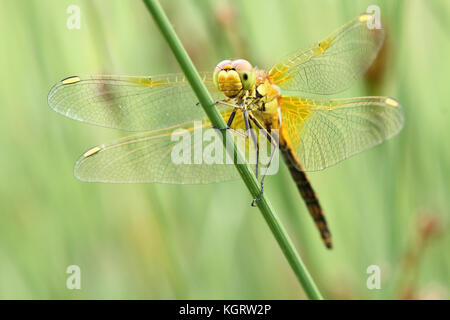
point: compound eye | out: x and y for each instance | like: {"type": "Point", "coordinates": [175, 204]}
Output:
{"type": "Point", "coordinates": [222, 64]}
{"type": "Point", "coordinates": [241, 65]}
{"type": "Point", "coordinates": [246, 73]}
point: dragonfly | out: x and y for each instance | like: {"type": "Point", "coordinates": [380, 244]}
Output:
{"type": "Point", "coordinates": [313, 131]}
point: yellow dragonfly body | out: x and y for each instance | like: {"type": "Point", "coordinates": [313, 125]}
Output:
{"type": "Point", "coordinates": [312, 132]}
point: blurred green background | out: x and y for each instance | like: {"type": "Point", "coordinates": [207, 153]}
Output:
{"type": "Point", "coordinates": [387, 207]}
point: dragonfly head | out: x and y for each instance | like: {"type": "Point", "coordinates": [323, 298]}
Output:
{"type": "Point", "coordinates": [231, 77]}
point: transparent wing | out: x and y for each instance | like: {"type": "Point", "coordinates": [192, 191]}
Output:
{"type": "Point", "coordinates": [129, 103]}
{"type": "Point", "coordinates": [171, 155]}
{"type": "Point", "coordinates": [335, 63]}
{"type": "Point", "coordinates": [324, 133]}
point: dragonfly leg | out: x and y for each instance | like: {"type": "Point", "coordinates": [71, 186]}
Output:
{"type": "Point", "coordinates": [248, 128]}
{"type": "Point", "coordinates": [272, 138]}
{"type": "Point", "coordinates": [274, 142]}
{"type": "Point", "coordinates": [246, 122]}
{"type": "Point", "coordinates": [260, 195]}
{"type": "Point", "coordinates": [232, 115]}
{"type": "Point", "coordinates": [226, 102]}
{"type": "Point", "coordinates": [216, 102]}
{"type": "Point", "coordinates": [230, 120]}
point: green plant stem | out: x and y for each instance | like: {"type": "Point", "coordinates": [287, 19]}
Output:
{"type": "Point", "coordinates": [247, 176]}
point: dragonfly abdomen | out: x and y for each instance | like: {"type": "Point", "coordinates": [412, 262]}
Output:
{"type": "Point", "coordinates": [307, 192]}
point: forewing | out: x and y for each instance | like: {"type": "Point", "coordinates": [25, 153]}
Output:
{"type": "Point", "coordinates": [324, 133]}
{"type": "Point", "coordinates": [333, 64]}
{"type": "Point", "coordinates": [129, 103]}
